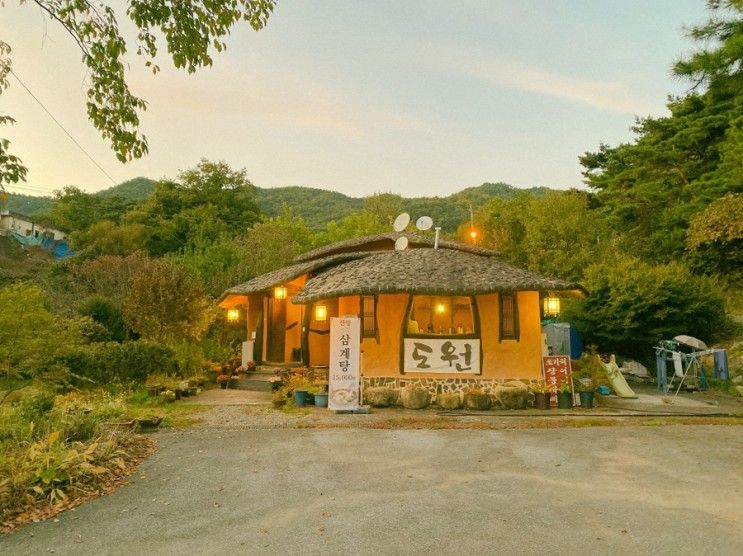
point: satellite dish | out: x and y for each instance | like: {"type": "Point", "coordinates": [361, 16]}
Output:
{"type": "Point", "coordinates": [401, 244]}
{"type": "Point", "coordinates": [424, 223]}
{"type": "Point", "coordinates": [401, 222]}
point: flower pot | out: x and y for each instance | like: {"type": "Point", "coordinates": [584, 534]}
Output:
{"type": "Point", "coordinates": [223, 385]}
{"type": "Point", "coordinates": [321, 400]}
{"type": "Point", "coordinates": [275, 386]}
{"type": "Point", "coordinates": [564, 400]}
{"type": "Point", "coordinates": [300, 398]}
{"type": "Point", "coordinates": [542, 400]}
{"type": "Point", "coordinates": [586, 400]}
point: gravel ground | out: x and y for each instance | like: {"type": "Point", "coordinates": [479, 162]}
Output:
{"type": "Point", "coordinates": [618, 490]}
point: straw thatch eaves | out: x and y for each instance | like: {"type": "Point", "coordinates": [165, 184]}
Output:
{"type": "Point", "coordinates": [286, 274]}
{"type": "Point", "coordinates": [425, 271]}
{"type": "Point", "coordinates": [380, 242]}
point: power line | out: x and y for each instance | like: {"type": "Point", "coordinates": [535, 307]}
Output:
{"type": "Point", "coordinates": [79, 146]}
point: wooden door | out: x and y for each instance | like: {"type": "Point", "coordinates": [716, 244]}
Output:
{"type": "Point", "coordinates": [276, 330]}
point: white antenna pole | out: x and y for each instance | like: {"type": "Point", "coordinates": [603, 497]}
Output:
{"type": "Point", "coordinates": [436, 239]}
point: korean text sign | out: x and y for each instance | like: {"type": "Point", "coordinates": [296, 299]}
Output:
{"type": "Point", "coordinates": [442, 355]}
{"type": "Point", "coordinates": [556, 373]}
{"type": "Point", "coordinates": [344, 372]}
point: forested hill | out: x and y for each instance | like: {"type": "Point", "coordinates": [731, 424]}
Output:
{"type": "Point", "coordinates": [316, 206]}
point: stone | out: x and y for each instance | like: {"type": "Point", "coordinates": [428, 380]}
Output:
{"type": "Point", "coordinates": [477, 400]}
{"type": "Point", "coordinates": [513, 395]}
{"type": "Point", "coordinates": [414, 397]}
{"type": "Point", "coordinates": [379, 396]}
{"type": "Point", "coordinates": [449, 401]}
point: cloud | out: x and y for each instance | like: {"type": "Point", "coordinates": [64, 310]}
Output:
{"type": "Point", "coordinates": [604, 95]}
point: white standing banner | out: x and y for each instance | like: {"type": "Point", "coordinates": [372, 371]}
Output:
{"type": "Point", "coordinates": [442, 355]}
{"type": "Point", "coordinates": [345, 354]}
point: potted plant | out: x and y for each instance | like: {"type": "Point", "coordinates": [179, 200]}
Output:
{"type": "Point", "coordinates": [585, 391]}
{"type": "Point", "coordinates": [233, 380]}
{"type": "Point", "coordinates": [542, 395]}
{"type": "Point", "coordinates": [321, 396]}
{"type": "Point", "coordinates": [251, 366]}
{"type": "Point", "coordinates": [275, 382]}
{"type": "Point", "coordinates": [565, 396]}
{"type": "Point", "coordinates": [224, 381]}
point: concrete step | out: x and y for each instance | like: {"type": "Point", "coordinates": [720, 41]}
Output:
{"type": "Point", "coordinates": [255, 385]}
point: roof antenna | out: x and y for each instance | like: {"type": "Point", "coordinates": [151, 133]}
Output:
{"type": "Point", "coordinates": [436, 239]}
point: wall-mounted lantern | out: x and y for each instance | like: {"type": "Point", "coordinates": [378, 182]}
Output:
{"type": "Point", "coordinates": [321, 313]}
{"type": "Point", "coordinates": [551, 306]}
{"type": "Point", "coordinates": [440, 308]}
{"type": "Point", "coordinates": [279, 292]}
{"type": "Point", "coordinates": [233, 315]}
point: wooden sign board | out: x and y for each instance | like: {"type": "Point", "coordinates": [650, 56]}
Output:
{"type": "Point", "coordinates": [557, 372]}
{"type": "Point", "coordinates": [447, 355]}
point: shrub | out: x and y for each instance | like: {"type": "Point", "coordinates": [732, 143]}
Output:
{"type": "Point", "coordinates": [106, 313]}
{"type": "Point", "coordinates": [127, 362]}
{"type": "Point", "coordinates": [632, 305]}
{"type": "Point", "coordinates": [36, 405]}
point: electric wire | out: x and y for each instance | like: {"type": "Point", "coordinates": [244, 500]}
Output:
{"type": "Point", "coordinates": [79, 146]}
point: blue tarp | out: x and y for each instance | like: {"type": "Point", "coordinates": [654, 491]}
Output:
{"type": "Point", "coordinates": [59, 248]}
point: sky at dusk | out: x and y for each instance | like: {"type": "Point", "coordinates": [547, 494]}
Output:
{"type": "Point", "coordinates": [413, 97]}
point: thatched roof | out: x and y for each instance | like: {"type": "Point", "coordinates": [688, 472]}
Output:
{"type": "Point", "coordinates": [386, 242]}
{"type": "Point", "coordinates": [287, 273]}
{"type": "Point", "coordinates": [424, 271]}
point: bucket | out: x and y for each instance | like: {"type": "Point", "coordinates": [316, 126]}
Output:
{"type": "Point", "coordinates": [586, 400]}
{"type": "Point", "coordinates": [300, 398]}
{"type": "Point", "coordinates": [321, 400]}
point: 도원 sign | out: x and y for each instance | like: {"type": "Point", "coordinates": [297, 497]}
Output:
{"type": "Point", "coordinates": [442, 355]}
{"type": "Point", "coordinates": [344, 372]}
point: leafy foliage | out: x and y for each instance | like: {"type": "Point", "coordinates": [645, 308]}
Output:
{"type": "Point", "coordinates": [632, 305]}
{"type": "Point", "coordinates": [29, 333]}
{"type": "Point", "coordinates": [205, 202]}
{"type": "Point", "coordinates": [105, 312]}
{"type": "Point", "coordinates": [715, 239]}
{"type": "Point", "coordinates": [164, 304]}
{"type": "Point", "coordinates": [190, 30]}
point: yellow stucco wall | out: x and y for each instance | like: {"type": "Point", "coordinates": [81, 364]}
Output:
{"type": "Point", "coordinates": [511, 358]}
{"type": "Point", "coordinates": [501, 359]}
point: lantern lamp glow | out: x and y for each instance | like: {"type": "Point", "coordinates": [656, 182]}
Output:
{"type": "Point", "coordinates": [440, 308]}
{"type": "Point", "coordinates": [551, 306]}
{"type": "Point", "coordinates": [233, 315]}
{"type": "Point", "coordinates": [279, 292]}
{"type": "Point", "coordinates": [321, 313]}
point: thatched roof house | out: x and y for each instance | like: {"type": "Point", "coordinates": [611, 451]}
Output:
{"type": "Point", "coordinates": [430, 313]}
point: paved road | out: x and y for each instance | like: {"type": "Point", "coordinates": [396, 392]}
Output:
{"type": "Point", "coordinates": [622, 490]}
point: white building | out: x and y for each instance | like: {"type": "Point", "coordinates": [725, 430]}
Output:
{"type": "Point", "coordinates": [25, 226]}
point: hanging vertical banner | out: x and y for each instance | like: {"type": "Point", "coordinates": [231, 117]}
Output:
{"type": "Point", "coordinates": [344, 373]}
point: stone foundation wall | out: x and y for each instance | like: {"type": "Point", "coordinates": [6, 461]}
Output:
{"type": "Point", "coordinates": [443, 385]}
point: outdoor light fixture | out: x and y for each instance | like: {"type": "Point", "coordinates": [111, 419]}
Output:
{"type": "Point", "coordinates": [279, 292]}
{"type": "Point", "coordinates": [440, 308]}
{"type": "Point", "coordinates": [551, 306]}
{"type": "Point", "coordinates": [321, 313]}
{"type": "Point", "coordinates": [473, 235]}
{"type": "Point", "coordinates": [233, 315]}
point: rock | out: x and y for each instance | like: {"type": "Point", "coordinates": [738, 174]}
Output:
{"type": "Point", "coordinates": [414, 397]}
{"type": "Point", "coordinates": [380, 396]}
{"type": "Point", "coordinates": [475, 399]}
{"type": "Point", "coordinates": [449, 401]}
{"type": "Point", "coordinates": [513, 395]}
{"type": "Point", "coordinates": [738, 380]}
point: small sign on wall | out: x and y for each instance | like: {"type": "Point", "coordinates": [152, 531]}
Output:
{"type": "Point", "coordinates": [344, 371]}
{"type": "Point", "coordinates": [442, 355]}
